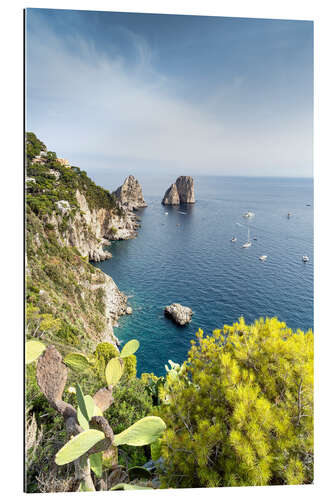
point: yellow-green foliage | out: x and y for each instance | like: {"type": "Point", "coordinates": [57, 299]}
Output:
{"type": "Point", "coordinates": [241, 412]}
{"type": "Point", "coordinates": [106, 351]}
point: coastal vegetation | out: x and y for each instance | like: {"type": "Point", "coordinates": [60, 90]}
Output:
{"type": "Point", "coordinates": [238, 411]}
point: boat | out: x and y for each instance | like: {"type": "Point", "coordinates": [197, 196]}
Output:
{"type": "Point", "coordinates": [289, 215]}
{"type": "Point", "coordinates": [248, 243]}
{"type": "Point", "coordinates": [263, 257]}
{"type": "Point", "coordinates": [255, 238]}
{"type": "Point", "coordinates": [305, 258]}
{"type": "Point", "coordinates": [165, 213]}
{"type": "Point", "coordinates": [233, 239]}
{"type": "Point", "coordinates": [249, 214]}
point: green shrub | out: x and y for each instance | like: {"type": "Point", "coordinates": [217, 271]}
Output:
{"type": "Point", "coordinates": [106, 351]}
{"type": "Point", "coordinates": [130, 366]}
{"type": "Point", "coordinates": [69, 334]}
{"type": "Point", "coordinates": [133, 403]}
{"type": "Point", "coordinates": [241, 410]}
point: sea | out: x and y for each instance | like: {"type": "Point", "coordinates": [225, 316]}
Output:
{"type": "Point", "coordinates": [184, 254]}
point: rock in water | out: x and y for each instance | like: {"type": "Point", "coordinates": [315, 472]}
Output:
{"type": "Point", "coordinates": [180, 314]}
{"type": "Point", "coordinates": [171, 196]}
{"type": "Point", "coordinates": [180, 192]}
{"type": "Point", "coordinates": [130, 194]}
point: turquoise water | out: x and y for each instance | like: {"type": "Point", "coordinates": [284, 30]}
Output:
{"type": "Point", "coordinates": [188, 258]}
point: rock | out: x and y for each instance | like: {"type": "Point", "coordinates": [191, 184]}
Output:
{"type": "Point", "coordinates": [130, 194]}
{"type": "Point", "coordinates": [180, 192]}
{"type": "Point", "coordinates": [180, 314]}
{"type": "Point", "coordinates": [63, 206]}
{"type": "Point", "coordinates": [171, 196]}
{"type": "Point", "coordinates": [129, 310]}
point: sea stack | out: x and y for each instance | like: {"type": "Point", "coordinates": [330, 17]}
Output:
{"type": "Point", "coordinates": [130, 194]}
{"type": "Point", "coordinates": [180, 192]}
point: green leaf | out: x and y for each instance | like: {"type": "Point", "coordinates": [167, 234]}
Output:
{"type": "Point", "coordinates": [85, 417]}
{"type": "Point", "coordinates": [113, 371]}
{"type": "Point", "coordinates": [124, 486]}
{"type": "Point", "coordinates": [130, 348]}
{"type": "Point", "coordinates": [97, 411]}
{"type": "Point", "coordinates": [143, 432]}
{"type": "Point", "coordinates": [96, 463]}
{"type": "Point", "coordinates": [77, 361]}
{"type": "Point", "coordinates": [139, 473]}
{"type": "Point", "coordinates": [78, 446]}
{"type": "Point", "coordinates": [33, 349]}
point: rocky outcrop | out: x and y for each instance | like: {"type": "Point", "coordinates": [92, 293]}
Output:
{"type": "Point", "coordinates": [91, 230]}
{"type": "Point", "coordinates": [129, 195]}
{"type": "Point", "coordinates": [180, 314]}
{"type": "Point", "coordinates": [171, 196]}
{"type": "Point", "coordinates": [180, 192]}
{"type": "Point", "coordinates": [115, 306]}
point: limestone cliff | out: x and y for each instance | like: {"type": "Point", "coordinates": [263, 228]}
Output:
{"type": "Point", "coordinates": [180, 192]}
{"type": "Point", "coordinates": [129, 195]}
{"type": "Point", "coordinates": [89, 230]}
{"type": "Point", "coordinates": [171, 196]}
{"type": "Point", "coordinates": [69, 221]}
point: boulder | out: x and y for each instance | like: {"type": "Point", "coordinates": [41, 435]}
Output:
{"type": "Point", "coordinates": [180, 192]}
{"type": "Point", "coordinates": [180, 314]}
{"type": "Point", "coordinates": [129, 195]}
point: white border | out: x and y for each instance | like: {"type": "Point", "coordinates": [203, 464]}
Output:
{"type": "Point", "coordinates": [11, 228]}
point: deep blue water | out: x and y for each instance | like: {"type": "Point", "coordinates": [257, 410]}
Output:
{"type": "Point", "coordinates": [196, 264]}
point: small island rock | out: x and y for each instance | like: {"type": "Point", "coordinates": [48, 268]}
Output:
{"type": "Point", "coordinates": [180, 192]}
{"type": "Point", "coordinates": [180, 314]}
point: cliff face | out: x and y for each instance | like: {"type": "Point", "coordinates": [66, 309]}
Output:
{"type": "Point", "coordinates": [171, 196]}
{"type": "Point", "coordinates": [130, 194]}
{"type": "Point", "coordinates": [180, 192]}
{"type": "Point", "coordinates": [89, 230]}
{"type": "Point", "coordinates": [68, 222]}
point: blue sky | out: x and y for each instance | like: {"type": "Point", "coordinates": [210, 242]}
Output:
{"type": "Point", "coordinates": [163, 95]}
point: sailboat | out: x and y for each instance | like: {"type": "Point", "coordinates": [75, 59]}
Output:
{"type": "Point", "coordinates": [248, 243]}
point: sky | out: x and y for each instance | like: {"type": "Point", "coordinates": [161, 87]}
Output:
{"type": "Point", "coordinates": [162, 95]}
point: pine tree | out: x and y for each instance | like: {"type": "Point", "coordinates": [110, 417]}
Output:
{"type": "Point", "coordinates": [241, 410]}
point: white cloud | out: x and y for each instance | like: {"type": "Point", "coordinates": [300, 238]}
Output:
{"type": "Point", "coordinates": [84, 103]}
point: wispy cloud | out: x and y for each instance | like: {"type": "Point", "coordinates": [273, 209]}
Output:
{"type": "Point", "coordinates": [89, 103]}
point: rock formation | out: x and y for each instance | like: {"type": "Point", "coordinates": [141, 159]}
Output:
{"type": "Point", "coordinates": [130, 194]}
{"type": "Point", "coordinates": [115, 306]}
{"type": "Point", "coordinates": [90, 230]}
{"type": "Point", "coordinates": [180, 314]}
{"type": "Point", "coordinates": [180, 192]}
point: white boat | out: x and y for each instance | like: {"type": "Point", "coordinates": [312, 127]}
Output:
{"type": "Point", "coordinates": [249, 214]}
{"type": "Point", "coordinates": [305, 258]}
{"type": "Point", "coordinates": [233, 239]}
{"type": "Point", "coordinates": [263, 257]}
{"type": "Point", "coordinates": [248, 243]}
{"type": "Point", "coordinates": [165, 213]}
